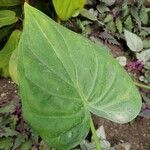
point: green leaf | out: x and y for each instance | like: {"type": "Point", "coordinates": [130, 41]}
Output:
{"type": "Point", "coordinates": [108, 38]}
{"type": "Point", "coordinates": [147, 76]}
{"type": "Point", "coordinates": [5, 31]}
{"type": "Point", "coordinates": [110, 26]}
{"type": "Point", "coordinates": [102, 8]}
{"type": "Point", "coordinates": [109, 18]}
{"type": "Point", "coordinates": [88, 14]}
{"type": "Point", "coordinates": [146, 44]}
{"type": "Point", "coordinates": [68, 8]}
{"type": "Point", "coordinates": [7, 17]}
{"type": "Point", "coordinates": [26, 146]}
{"type": "Point", "coordinates": [64, 77]}
{"type": "Point", "coordinates": [129, 23]}
{"type": "Point", "coordinates": [144, 17]}
{"type": "Point", "coordinates": [135, 15]}
{"type": "Point", "coordinates": [13, 66]}
{"type": "Point", "coordinates": [9, 108]}
{"type": "Point", "coordinates": [144, 56]}
{"type": "Point", "coordinates": [6, 143]}
{"type": "Point", "coordinates": [119, 25]}
{"type": "Point", "coordinates": [6, 52]}
{"type": "Point", "coordinates": [10, 2]}
{"type": "Point", "coordinates": [20, 139]}
{"type": "Point", "coordinates": [7, 132]}
{"type": "Point", "coordinates": [108, 2]}
{"type": "Point", "coordinates": [133, 41]}
{"type": "Point", "coordinates": [125, 9]}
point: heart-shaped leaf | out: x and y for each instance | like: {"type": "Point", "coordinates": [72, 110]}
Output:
{"type": "Point", "coordinates": [68, 8]}
{"type": "Point", "coordinates": [63, 77]}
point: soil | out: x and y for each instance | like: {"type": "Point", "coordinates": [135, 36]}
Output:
{"type": "Point", "coordinates": [8, 91]}
{"type": "Point", "coordinates": [137, 133]}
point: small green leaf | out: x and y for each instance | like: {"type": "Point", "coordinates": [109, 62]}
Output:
{"type": "Point", "coordinates": [144, 56]}
{"type": "Point", "coordinates": [147, 76]}
{"type": "Point", "coordinates": [109, 18]}
{"type": "Point", "coordinates": [26, 146]}
{"type": "Point", "coordinates": [64, 77]}
{"type": "Point", "coordinates": [133, 41]}
{"type": "Point", "coordinates": [6, 143]}
{"type": "Point", "coordinates": [6, 52]}
{"type": "Point", "coordinates": [111, 26]}
{"type": "Point", "coordinates": [10, 2]}
{"type": "Point", "coordinates": [68, 8]}
{"type": "Point", "coordinates": [20, 139]}
{"type": "Point", "coordinates": [135, 15]}
{"type": "Point", "coordinates": [108, 2]}
{"type": "Point", "coordinates": [88, 14]}
{"type": "Point", "coordinates": [7, 17]}
{"type": "Point", "coordinates": [109, 38]}
{"type": "Point", "coordinates": [146, 44]}
{"type": "Point", "coordinates": [9, 108]}
{"type": "Point", "coordinates": [125, 9]}
{"type": "Point", "coordinates": [129, 23]}
{"type": "Point", "coordinates": [7, 132]}
{"type": "Point", "coordinates": [144, 17]}
{"type": "Point", "coordinates": [102, 8]}
{"type": "Point", "coordinates": [119, 25]}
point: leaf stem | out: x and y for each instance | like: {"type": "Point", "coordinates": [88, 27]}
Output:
{"type": "Point", "coordinates": [97, 141]}
{"type": "Point", "coordinates": [58, 20]}
{"type": "Point", "coordinates": [142, 85]}
{"type": "Point", "coordinates": [27, 1]}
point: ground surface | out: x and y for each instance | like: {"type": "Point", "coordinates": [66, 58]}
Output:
{"type": "Point", "coordinates": [136, 133]}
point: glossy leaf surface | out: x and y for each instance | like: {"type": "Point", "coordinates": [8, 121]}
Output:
{"type": "Point", "coordinates": [64, 77]}
{"type": "Point", "coordinates": [68, 8]}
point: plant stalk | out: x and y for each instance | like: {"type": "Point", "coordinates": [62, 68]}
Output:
{"type": "Point", "coordinates": [142, 85]}
{"type": "Point", "coordinates": [58, 20]}
{"type": "Point", "coordinates": [96, 139]}
{"type": "Point", "coordinates": [27, 1]}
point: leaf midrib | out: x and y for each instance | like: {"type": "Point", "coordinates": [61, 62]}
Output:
{"type": "Point", "coordinates": [76, 85]}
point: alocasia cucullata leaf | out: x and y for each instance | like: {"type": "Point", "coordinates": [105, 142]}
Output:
{"type": "Point", "coordinates": [68, 8]}
{"type": "Point", "coordinates": [64, 77]}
